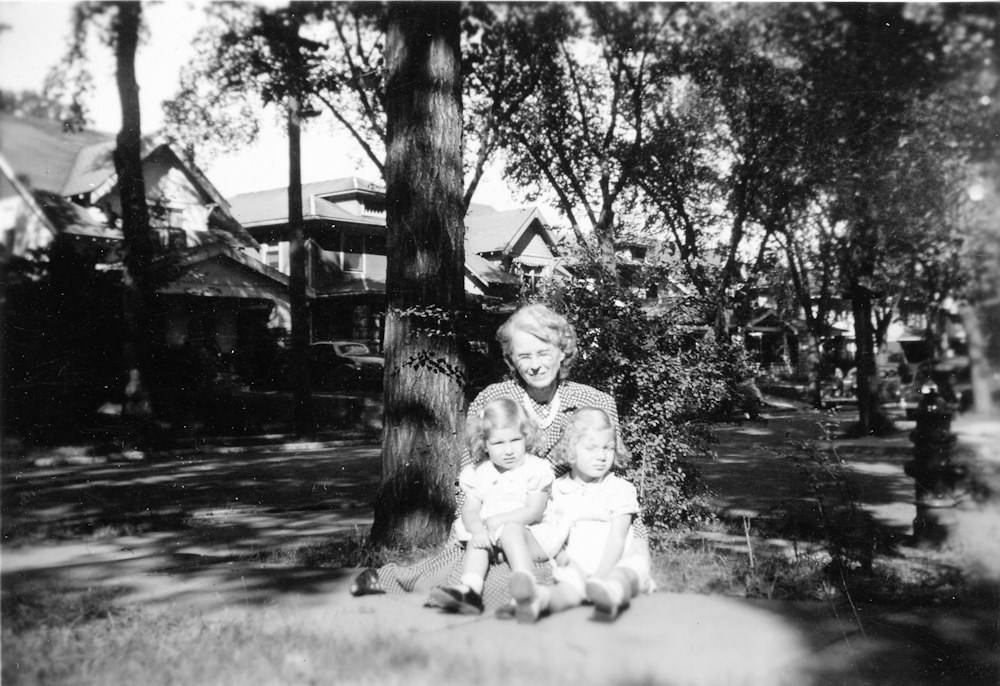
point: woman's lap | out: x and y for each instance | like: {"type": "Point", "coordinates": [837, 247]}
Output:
{"type": "Point", "coordinates": [446, 568]}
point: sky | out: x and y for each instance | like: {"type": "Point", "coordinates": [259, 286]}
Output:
{"type": "Point", "coordinates": [39, 34]}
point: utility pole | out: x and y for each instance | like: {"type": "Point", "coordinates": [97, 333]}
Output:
{"type": "Point", "coordinates": [301, 381]}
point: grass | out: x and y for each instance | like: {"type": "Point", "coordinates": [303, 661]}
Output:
{"type": "Point", "coordinates": [803, 571]}
{"type": "Point", "coordinates": [85, 639]}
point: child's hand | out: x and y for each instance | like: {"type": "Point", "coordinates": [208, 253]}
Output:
{"type": "Point", "coordinates": [481, 540]}
{"type": "Point", "coordinates": [491, 524]}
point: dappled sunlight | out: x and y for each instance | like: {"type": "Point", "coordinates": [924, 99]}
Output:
{"type": "Point", "coordinates": [755, 474]}
{"type": "Point", "coordinates": [754, 431]}
{"type": "Point", "coordinates": [877, 468]}
{"type": "Point", "coordinates": [166, 526]}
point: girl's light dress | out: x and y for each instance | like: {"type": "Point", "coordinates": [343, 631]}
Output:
{"type": "Point", "coordinates": [501, 492]}
{"type": "Point", "coordinates": [588, 510]}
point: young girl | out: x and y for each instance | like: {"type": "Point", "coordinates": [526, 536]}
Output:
{"type": "Point", "coordinates": [505, 495]}
{"type": "Point", "coordinates": [600, 562]}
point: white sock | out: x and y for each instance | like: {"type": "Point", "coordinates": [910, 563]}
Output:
{"type": "Point", "coordinates": [622, 595]}
{"type": "Point", "coordinates": [473, 581]}
{"type": "Point", "coordinates": [544, 597]}
{"type": "Point", "coordinates": [613, 590]}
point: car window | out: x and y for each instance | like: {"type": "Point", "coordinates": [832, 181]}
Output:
{"type": "Point", "coordinates": [355, 349]}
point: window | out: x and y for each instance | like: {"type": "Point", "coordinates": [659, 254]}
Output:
{"type": "Point", "coordinates": [271, 255]}
{"type": "Point", "coordinates": [352, 253]}
{"type": "Point", "coordinates": [532, 278]}
{"type": "Point", "coordinates": [172, 238]}
{"type": "Point", "coordinates": [175, 218]}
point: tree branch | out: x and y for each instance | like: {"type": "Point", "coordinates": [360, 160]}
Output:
{"type": "Point", "coordinates": [358, 137]}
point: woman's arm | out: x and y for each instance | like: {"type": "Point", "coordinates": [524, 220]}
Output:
{"type": "Point", "coordinates": [615, 544]}
{"type": "Point", "coordinates": [531, 513]}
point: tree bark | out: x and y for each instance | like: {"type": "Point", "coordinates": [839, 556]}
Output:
{"type": "Point", "coordinates": [870, 417]}
{"type": "Point", "coordinates": [425, 245]}
{"type": "Point", "coordinates": [137, 240]}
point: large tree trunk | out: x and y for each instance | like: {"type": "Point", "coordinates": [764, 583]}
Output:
{"type": "Point", "coordinates": [137, 241]}
{"type": "Point", "coordinates": [870, 417]}
{"type": "Point", "coordinates": [425, 246]}
{"type": "Point", "coordinates": [813, 358]}
{"type": "Point", "coordinates": [605, 234]}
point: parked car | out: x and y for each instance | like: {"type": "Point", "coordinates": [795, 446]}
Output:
{"type": "Point", "coordinates": [843, 390]}
{"type": "Point", "coordinates": [345, 366]}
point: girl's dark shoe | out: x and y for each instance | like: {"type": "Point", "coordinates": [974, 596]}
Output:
{"type": "Point", "coordinates": [366, 582]}
{"type": "Point", "coordinates": [458, 599]}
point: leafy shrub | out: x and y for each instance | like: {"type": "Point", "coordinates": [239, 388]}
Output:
{"type": "Point", "coordinates": [669, 381]}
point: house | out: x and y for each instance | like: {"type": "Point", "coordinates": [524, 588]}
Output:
{"type": "Point", "coordinates": [58, 185]}
{"type": "Point", "coordinates": [773, 341]}
{"type": "Point", "coordinates": [345, 234]}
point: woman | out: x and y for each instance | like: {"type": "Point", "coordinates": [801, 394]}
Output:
{"type": "Point", "coordinates": [539, 346]}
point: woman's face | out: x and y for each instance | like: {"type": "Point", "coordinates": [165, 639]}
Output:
{"type": "Point", "coordinates": [537, 362]}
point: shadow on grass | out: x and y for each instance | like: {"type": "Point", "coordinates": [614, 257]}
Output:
{"type": "Point", "coordinates": [755, 473]}
{"type": "Point", "coordinates": [955, 642]}
{"type": "Point", "coordinates": [242, 527]}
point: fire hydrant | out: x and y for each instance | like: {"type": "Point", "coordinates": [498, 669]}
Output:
{"type": "Point", "coordinates": [931, 467]}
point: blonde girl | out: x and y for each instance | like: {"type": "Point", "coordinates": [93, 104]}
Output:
{"type": "Point", "coordinates": [601, 562]}
{"type": "Point", "coordinates": [505, 493]}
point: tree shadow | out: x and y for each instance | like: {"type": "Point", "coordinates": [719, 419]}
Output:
{"type": "Point", "coordinates": [950, 643]}
{"type": "Point", "coordinates": [170, 527]}
{"type": "Point", "coordinates": [758, 470]}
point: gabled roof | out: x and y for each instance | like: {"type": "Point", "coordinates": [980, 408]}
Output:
{"type": "Point", "coordinates": [42, 152]}
{"type": "Point", "coordinates": [71, 163]}
{"type": "Point", "coordinates": [32, 226]}
{"type": "Point", "coordinates": [220, 271]}
{"type": "Point", "coordinates": [487, 272]}
{"type": "Point", "coordinates": [345, 185]}
{"type": "Point", "coordinates": [70, 218]}
{"type": "Point", "coordinates": [318, 208]}
{"type": "Point", "coordinates": [488, 232]}
{"type": "Point", "coordinates": [93, 166]}
{"type": "Point", "coordinates": [207, 252]}
{"type": "Point", "coordinates": [261, 208]}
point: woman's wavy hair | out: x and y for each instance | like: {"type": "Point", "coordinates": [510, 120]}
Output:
{"type": "Point", "coordinates": [543, 323]}
{"type": "Point", "coordinates": [579, 424]}
{"type": "Point", "coordinates": [502, 413]}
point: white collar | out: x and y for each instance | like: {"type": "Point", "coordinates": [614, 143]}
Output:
{"type": "Point", "coordinates": [546, 421]}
